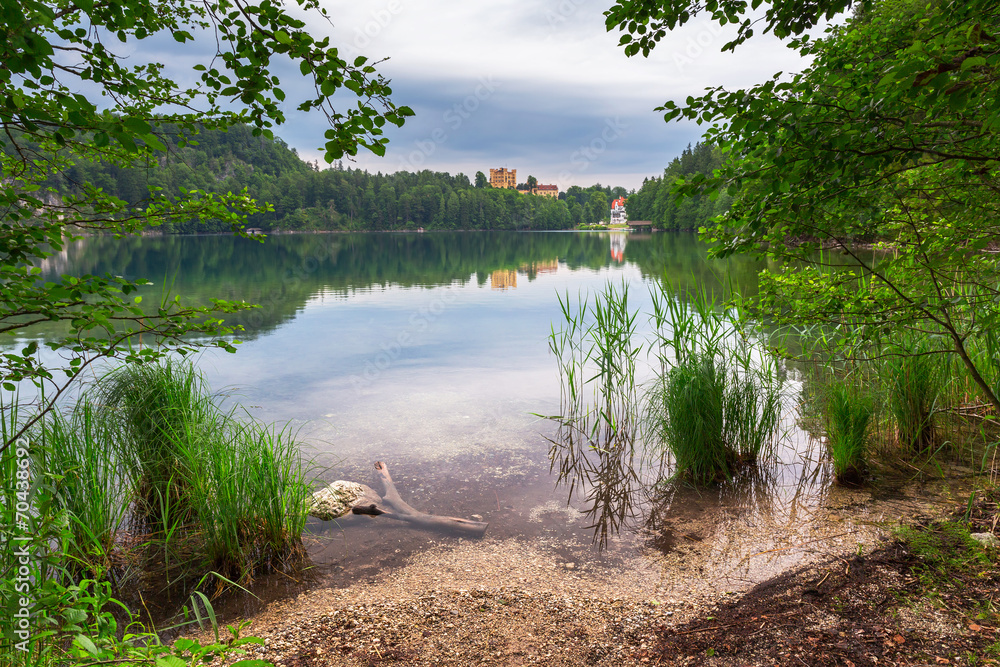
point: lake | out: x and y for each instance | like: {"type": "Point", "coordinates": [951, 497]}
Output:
{"type": "Point", "coordinates": [430, 352]}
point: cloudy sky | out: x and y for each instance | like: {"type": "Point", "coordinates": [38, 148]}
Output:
{"type": "Point", "coordinates": [537, 86]}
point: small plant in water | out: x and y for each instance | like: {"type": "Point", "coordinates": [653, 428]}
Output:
{"type": "Point", "coordinates": [595, 447]}
{"type": "Point", "coordinates": [915, 381]}
{"type": "Point", "coordinates": [848, 415]}
{"type": "Point", "coordinates": [714, 404]}
{"type": "Point", "coordinates": [717, 403]}
{"type": "Point", "coordinates": [149, 449]}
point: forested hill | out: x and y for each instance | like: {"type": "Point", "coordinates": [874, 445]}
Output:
{"type": "Point", "coordinates": [656, 200]}
{"type": "Point", "coordinates": [307, 198]}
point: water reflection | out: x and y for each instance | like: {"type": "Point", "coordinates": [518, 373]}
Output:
{"type": "Point", "coordinates": [618, 242]}
{"type": "Point", "coordinates": [283, 273]}
{"type": "Point", "coordinates": [407, 348]}
{"type": "Point", "coordinates": [503, 279]}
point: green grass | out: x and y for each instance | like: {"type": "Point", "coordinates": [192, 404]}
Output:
{"type": "Point", "coordinates": [848, 416]}
{"type": "Point", "coordinates": [717, 403]}
{"type": "Point", "coordinates": [710, 418]}
{"type": "Point", "coordinates": [249, 497]}
{"type": "Point", "coordinates": [914, 382]}
{"type": "Point", "coordinates": [199, 489]}
{"type": "Point", "coordinates": [687, 415]}
{"type": "Point", "coordinates": [162, 414]}
{"type": "Point", "coordinates": [94, 488]}
{"type": "Point", "coordinates": [945, 550]}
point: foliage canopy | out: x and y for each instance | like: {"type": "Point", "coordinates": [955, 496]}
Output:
{"type": "Point", "coordinates": [646, 22]}
{"type": "Point", "coordinates": [890, 136]}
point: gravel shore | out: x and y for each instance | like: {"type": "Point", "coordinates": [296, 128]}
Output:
{"type": "Point", "coordinates": [489, 602]}
{"type": "Point", "coordinates": [553, 601]}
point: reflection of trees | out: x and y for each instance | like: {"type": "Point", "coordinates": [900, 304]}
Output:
{"type": "Point", "coordinates": [681, 258]}
{"type": "Point", "coordinates": [285, 271]}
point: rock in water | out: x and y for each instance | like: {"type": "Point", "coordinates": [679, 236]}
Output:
{"type": "Point", "coordinates": [335, 500]}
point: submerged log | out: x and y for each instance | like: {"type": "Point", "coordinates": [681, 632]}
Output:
{"type": "Point", "coordinates": [342, 497]}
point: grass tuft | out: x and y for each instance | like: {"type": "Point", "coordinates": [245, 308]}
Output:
{"type": "Point", "coordinates": [95, 489]}
{"type": "Point", "coordinates": [717, 402]}
{"type": "Point", "coordinates": [199, 489]}
{"type": "Point", "coordinates": [848, 414]}
{"type": "Point", "coordinates": [710, 418]}
{"type": "Point", "coordinates": [915, 381]}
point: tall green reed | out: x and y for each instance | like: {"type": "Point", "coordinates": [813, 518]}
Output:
{"type": "Point", "coordinates": [94, 488]}
{"type": "Point", "coordinates": [63, 493]}
{"type": "Point", "coordinates": [685, 415]}
{"type": "Point", "coordinates": [162, 412]}
{"type": "Point", "coordinates": [595, 447]}
{"type": "Point", "coordinates": [151, 460]}
{"type": "Point", "coordinates": [717, 401]}
{"type": "Point", "coordinates": [915, 380]}
{"type": "Point", "coordinates": [249, 496]}
{"type": "Point", "coordinates": [849, 413]}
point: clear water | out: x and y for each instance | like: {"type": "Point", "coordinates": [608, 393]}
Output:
{"type": "Point", "coordinates": [429, 352]}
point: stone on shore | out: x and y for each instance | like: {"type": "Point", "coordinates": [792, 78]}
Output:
{"type": "Point", "coordinates": [335, 500]}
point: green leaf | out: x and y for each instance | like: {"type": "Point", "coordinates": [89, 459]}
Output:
{"type": "Point", "coordinates": [74, 615]}
{"type": "Point", "coordinates": [87, 645]}
{"type": "Point", "coordinates": [154, 142]}
{"type": "Point", "coordinates": [975, 61]}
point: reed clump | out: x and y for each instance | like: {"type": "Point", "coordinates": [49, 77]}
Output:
{"type": "Point", "coordinates": [712, 405]}
{"type": "Point", "coordinates": [96, 492]}
{"type": "Point", "coordinates": [595, 448]}
{"type": "Point", "coordinates": [157, 471]}
{"type": "Point", "coordinates": [716, 404]}
{"type": "Point", "coordinates": [162, 415]}
{"type": "Point", "coordinates": [915, 381]}
{"type": "Point", "coordinates": [849, 413]}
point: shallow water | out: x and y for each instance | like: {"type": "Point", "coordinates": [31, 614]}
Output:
{"type": "Point", "coordinates": [429, 352]}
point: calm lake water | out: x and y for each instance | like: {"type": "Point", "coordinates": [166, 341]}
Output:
{"type": "Point", "coordinates": [429, 352]}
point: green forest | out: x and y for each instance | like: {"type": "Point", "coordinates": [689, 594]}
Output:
{"type": "Point", "coordinates": [657, 199]}
{"type": "Point", "coordinates": [301, 197]}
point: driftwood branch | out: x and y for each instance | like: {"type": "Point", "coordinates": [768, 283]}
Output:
{"type": "Point", "coordinates": [390, 504]}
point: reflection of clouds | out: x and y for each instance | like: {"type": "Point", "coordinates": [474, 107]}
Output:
{"type": "Point", "coordinates": [766, 519]}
